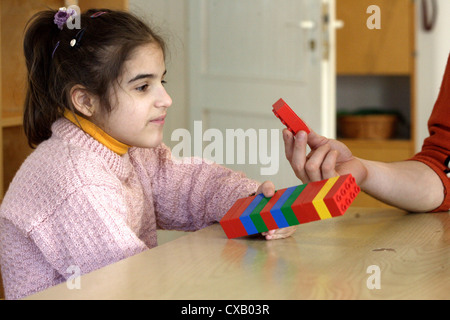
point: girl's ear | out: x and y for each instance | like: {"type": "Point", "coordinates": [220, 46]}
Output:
{"type": "Point", "coordinates": [83, 101]}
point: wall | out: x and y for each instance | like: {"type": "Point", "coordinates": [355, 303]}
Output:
{"type": "Point", "coordinates": [432, 53]}
{"type": "Point", "coordinates": [168, 17]}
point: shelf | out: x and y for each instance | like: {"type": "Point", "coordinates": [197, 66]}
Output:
{"type": "Point", "coordinates": [381, 150]}
{"type": "Point", "coordinates": [11, 120]}
{"type": "Point", "coordinates": [374, 142]}
{"type": "Point", "coordinates": [378, 150]}
{"type": "Point", "coordinates": [365, 51]}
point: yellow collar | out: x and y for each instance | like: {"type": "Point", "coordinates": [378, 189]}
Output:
{"type": "Point", "coordinates": [97, 133]}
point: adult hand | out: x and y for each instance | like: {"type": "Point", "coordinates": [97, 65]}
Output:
{"type": "Point", "coordinates": [328, 158]}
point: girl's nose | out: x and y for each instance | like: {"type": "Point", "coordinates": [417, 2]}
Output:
{"type": "Point", "coordinates": [164, 100]}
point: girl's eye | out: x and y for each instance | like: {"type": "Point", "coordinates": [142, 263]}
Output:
{"type": "Point", "coordinates": [163, 82]}
{"type": "Point", "coordinates": [142, 88]}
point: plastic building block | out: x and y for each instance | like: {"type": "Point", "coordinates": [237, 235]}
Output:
{"type": "Point", "coordinates": [318, 201]}
{"type": "Point", "coordinates": [265, 212]}
{"type": "Point", "coordinates": [303, 206]}
{"type": "Point", "coordinates": [291, 206]}
{"type": "Point", "coordinates": [231, 224]}
{"type": "Point", "coordinates": [248, 223]}
{"type": "Point", "coordinates": [341, 195]}
{"type": "Point", "coordinates": [288, 117]}
{"type": "Point", "coordinates": [256, 216]}
{"type": "Point", "coordinates": [227, 220]}
{"type": "Point", "coordinates": [286, 208]}
{"type": "Point", "coordinates": [276, 212]}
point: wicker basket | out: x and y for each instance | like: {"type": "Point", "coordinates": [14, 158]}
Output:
{"type": "Point", "coordinates": [380, 126]}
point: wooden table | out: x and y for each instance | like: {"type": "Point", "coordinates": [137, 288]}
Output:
{"type": "Point", "coordinates": [366, 254]}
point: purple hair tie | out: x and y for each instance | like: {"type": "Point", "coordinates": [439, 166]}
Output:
{"type": "Point", "coordinates": [98, 14]}
{"type": "Point", "coordinates": [63, 15]}
{"type": "Point", "coordinates": [54, 50]}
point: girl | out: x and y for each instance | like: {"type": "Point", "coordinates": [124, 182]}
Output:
{"type": "Point", "coordinates": [100, 181]}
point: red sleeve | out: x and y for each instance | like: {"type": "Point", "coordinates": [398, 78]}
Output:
{"type": "Point", "coordinates": [436, 148]}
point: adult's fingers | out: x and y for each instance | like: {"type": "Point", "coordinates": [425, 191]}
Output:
{"type": "Point", "coordinates": [289, 141]}
{"type": "Point", "coordinates": [316, 158]}
{"type": "Point", "coordinates": [328, 168]}
{"type": "Point", "coordinates": [315, 140]}
{"type": "Point", "coordinates": [298, 155]}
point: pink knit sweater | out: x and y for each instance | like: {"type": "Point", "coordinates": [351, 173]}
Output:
{"type": "Point", "coordinates": [74, 202]}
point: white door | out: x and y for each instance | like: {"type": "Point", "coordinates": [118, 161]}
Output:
{"type": "Point", "coordinates": [244, 55]}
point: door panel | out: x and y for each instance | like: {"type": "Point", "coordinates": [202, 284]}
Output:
{"type": "Point", "coordinates": [243, 57]}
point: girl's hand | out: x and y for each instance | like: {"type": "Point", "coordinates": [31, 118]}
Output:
{"type": "Point", "coordinates": [328, 158]}
{"type": "Point", "coordinates": [279, 233]}
{"type": "Point", "coordinates": [268, 190]}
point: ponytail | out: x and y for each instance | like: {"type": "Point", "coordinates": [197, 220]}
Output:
{"type": "Point", "coordinates": [40, 109]}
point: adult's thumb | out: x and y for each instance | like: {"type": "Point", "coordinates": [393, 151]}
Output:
{"type": "Point", "coordinates": [316, 140]}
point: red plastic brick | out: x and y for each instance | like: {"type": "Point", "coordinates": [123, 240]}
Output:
{"type": "Point", "coordinates": [341, 195]}
{"type": "Point", "coordinates": [289, 118]}
{"type": "Point", "coordinates": [303, 207]}
{"type": "Point", "coordinates": [231, 223]}
{"type": "Point", "coordinates": [227, 223]}
{"type": "Point", "coordinates": [237, 223]}
{"type": "Point", "coordinates": [265, 212]}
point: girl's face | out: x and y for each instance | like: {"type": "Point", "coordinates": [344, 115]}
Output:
{"type": "Point", "coordinates": [139, 100]}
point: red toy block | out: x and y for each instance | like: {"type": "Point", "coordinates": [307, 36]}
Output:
{"type": "Point", "coordinates": [289, 118]}
{"type": "Point", "coordinates": [226, 221]}
{"type": "Point", "coordinates": [341, 195]}
{"type": "Point", "coordinates": [303, 206]}
{"type": "Point", "coordinates": [231, 223]}
{"type": "Point", "coordinates": [265, 212]}
{"type": "Point", "coordinates": [237, 223]}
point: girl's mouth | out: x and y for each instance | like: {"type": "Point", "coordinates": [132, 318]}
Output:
{"type": "Point", "coordinates": [159, 120]}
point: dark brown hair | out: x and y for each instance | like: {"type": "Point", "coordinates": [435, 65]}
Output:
{"type": "Point", "coordinates": [54, 66]}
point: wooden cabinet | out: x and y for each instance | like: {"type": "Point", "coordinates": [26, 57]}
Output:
{"type": "Point", "coordinates": [386, 51]}
{"type": "Point", "coordinates": [375, 69]}
{"type": "Point", "coordinates": [109, 4]}
{"type": "Point", "coordinates": [14, 16]}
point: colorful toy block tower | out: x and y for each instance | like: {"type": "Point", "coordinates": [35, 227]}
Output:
{"type": "Point", "coordinates": [291, 206]}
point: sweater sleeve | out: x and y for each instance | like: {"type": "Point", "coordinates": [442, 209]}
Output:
{"type": "Point", "coordinates": [436, 148]}
{"type": "Point", "coordinates": [191, 193]}
{"type": "Point", "coordinates": [87, 231]}
{"type": "Point", "coordinates": [24, 268]}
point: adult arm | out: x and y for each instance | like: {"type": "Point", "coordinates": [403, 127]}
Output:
{"type": "Point", "coordinates": [409, 185]}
